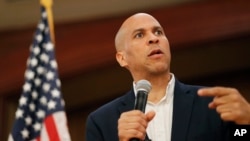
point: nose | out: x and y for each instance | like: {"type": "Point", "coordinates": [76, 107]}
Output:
{"type": "Point", "coordinates": [153, 39]}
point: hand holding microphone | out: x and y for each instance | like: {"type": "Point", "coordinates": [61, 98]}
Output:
{"type": "Point", "coordinates": [132, 124]}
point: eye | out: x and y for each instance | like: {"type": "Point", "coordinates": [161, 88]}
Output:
{"type": "Point", "coordinates": [139, 35]}
{"type": "Point", "coordinates": [158, 32]}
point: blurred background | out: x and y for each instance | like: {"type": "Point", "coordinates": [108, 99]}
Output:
{"type": "Point", "coordinates": [210, 43]}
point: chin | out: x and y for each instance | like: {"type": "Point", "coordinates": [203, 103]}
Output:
{"type": "Point", "coordinates": [160, 70]}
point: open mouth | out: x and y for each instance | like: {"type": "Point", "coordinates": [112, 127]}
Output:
{"type": "Point", "coordinates": [155, 52]}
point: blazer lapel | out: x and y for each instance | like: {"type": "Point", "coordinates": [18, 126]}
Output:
{"type": "Point", "coordinates": [127, 102]}
{"type": "Point", "coordinates": [182, 109]}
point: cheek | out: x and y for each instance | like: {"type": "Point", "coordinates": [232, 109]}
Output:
{"type": "Point", "coordinates": [133, 58]}
{"type": "Point", "coordinates": [167, 48]}
{"type": "Point", "coordinates": [135, 50]}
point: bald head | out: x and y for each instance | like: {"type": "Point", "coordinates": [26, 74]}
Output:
{"type": "Point", "coordinates": [126, 27]}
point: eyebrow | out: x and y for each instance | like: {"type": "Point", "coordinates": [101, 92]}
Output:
{"type": "Point", "coordinates": [137, 30]}
{"type": "Point", "coordinates": [142, 29]}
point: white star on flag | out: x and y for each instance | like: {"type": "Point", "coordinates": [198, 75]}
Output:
{"type": "Point", "coordinates": [25, 133]}
{"type": "Point", "coordinates": [22, 101]}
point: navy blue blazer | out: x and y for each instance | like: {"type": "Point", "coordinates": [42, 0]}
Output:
{"type": "Point", "coordinates": [192, 119]}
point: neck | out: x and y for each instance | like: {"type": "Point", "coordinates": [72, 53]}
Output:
{"type": "Point", "coordinates": [159, 86]}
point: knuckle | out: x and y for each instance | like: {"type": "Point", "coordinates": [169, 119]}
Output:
{"type": "Point", "coordinates": [234, 97]}
{"type": "Point", "coordinates": [237, 105]}
{"type": "Point", "coordinates": [137, 126]}
{"type": "Point", "coordinates": [234, 90]}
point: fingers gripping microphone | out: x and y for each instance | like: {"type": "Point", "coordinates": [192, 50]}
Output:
{"type": "Point", "coordinates": [142, 87]}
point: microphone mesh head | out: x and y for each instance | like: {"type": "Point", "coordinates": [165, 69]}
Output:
{"type": "Point", "coordinates": [143, 85]}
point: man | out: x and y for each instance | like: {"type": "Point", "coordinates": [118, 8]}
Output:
{"type": "Point", "coordinates": [174, 111]}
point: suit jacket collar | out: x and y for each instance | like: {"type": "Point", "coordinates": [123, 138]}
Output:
{"type": "Point", "coordinates": [182, 109]}
{"type": "Point", "coordinates": [127, 101]}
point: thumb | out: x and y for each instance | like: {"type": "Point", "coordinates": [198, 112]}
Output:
{"type": "Point", "coordinates": [150, 115]}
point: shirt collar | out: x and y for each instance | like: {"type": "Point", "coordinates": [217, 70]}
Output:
{"type": "Point", "coordinates": [169, 89]}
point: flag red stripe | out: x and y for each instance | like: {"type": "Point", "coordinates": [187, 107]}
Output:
{"type": "Point", "coordinates": [51, 128]}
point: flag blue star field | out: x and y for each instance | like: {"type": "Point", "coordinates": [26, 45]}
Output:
{"type": "Point", "coordinates": [40, 115]}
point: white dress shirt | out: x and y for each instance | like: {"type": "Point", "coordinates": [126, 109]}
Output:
{"type": "Point", "coordinates": [159, 128]}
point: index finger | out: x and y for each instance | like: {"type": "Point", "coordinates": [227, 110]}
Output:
{"type": "Point", "coordinates": [215, 91]}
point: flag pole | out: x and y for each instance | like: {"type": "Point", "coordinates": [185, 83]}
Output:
{"type": "Point", "coordinates": [48, 7]}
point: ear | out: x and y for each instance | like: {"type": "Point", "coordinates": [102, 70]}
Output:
{"type": "Point", "coordinates": [121, 59]}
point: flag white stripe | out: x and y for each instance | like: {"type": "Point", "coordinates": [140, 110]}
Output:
{"type": "Point", "coordinates": [61, 125]}
{"type": "Point", "coordinates": [10, 138]}
{"type": "Point", "coordinates": [44, 135]}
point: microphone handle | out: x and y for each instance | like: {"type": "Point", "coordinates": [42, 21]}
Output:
{"type": "Point", "coordinates": [140, 104]}
{"type": "Point", "coordinates": [141, 101]}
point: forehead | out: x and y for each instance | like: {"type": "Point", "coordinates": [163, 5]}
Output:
{"type": "Point", "coordinates": [140, 21]}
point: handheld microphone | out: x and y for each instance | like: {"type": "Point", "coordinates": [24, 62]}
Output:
{"type": "Point", "coordinates": [142, 87]}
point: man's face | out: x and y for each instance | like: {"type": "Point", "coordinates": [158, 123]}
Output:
{"type": "Point", "coordinates": [144, 46]}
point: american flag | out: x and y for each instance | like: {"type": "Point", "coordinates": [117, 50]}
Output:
{"type": "Point", "coordinates": [40, 115]}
